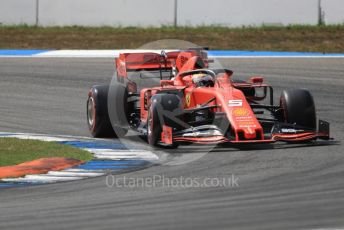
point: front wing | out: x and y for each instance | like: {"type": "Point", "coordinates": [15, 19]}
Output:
{"type": "Point", "coordinates": [211, 134]}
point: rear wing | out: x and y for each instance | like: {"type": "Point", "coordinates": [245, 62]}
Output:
{"type": "Point", "coordinates": [164, 61]}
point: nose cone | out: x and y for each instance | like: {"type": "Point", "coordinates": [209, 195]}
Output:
{"type": "Point", "coordinates": [250, 133]}
{"type": "Point", "coordinates": [244, 121]}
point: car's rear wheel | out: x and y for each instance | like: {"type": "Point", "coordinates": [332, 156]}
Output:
{"type": "Point", "coordinates": [97, 115]}
{"type": "Point", "coordinates": [298, 108]}
{"type": "Point", "coordinates": [98, 120]}
{"type": "Point", "coordinates": [119, 108]}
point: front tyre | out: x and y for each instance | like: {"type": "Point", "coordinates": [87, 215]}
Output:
{"type": "Point", "coordinates": [154, 127]}
{"type": "Point", "coordinates": [299, 108]}
{"type": "Point", "coordinates": [164, 110]}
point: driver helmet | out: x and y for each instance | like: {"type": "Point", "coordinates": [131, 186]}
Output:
{"type": "Point", "coordinates": [203, 80]}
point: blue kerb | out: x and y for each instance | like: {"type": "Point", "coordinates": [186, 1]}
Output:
{"type": "Point", "coordinates": [247, 53]}
{"type": "Point", "coordinates": [21, 52]}
{"type": "Point", "coordinates": [112, 165]}
{"type": "Point", "coordinates": [9, 185]}
{"type": "Point", "coordinates": [118, 162]}
{"type": "Point", "coordinates": [94, 145]}
{"type": "Point", "coordinates": [6, 134]}
{"type": "Point", "coordinates": [214, 53]}
{"type": "Point", "coordinates": [19, 184]}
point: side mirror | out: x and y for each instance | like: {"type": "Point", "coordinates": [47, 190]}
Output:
{"type": "Point", "coordinates": [257, 80]}
{"type": "Point", "coordinates": [166, 83]}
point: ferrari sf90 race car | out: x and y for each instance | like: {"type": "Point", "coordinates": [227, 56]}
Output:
{"type": "Point", "coordinates": [187, 101]}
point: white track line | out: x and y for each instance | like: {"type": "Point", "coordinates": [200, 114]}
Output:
{"type": "Point", "coordinates": [41, 178]}
{"type": "Point", "coordinates": [92, 53]}
{"type": "Point", "coordinates": [115, 53]}
{"type": "Point", "coordinates": [278, 57]}
{"type": "Point", "coordinates": [81, 170]}
{"type": "Point", "coordinates": [211, 57]}
{"type": "Point", "coordinates": [45, 177]}
{"type": "Point", "coordinates": [122, 154]}
{"type": "Point", "coordinates": [63, 137]}
{"type": "Point", "coordinates": [120, 158]}
{"type": "Point", "coordinates": [39, 137]}
{"type": "Point", "coordinates": [57, 176]}
{"type": "Point", "coordinates": [74, 174]}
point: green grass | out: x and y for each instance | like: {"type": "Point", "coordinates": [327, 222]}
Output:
{"type": "Point", "coordinates": [271, 38]}
{"type": "Point", "coordinates": [15, 151]}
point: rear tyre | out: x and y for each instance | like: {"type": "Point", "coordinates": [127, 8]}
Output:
{"type": "Point", "coordinates": [119, 108]}
{"type": "Point", "coordinates": [98, 119]}
{"type": "Point", "coordinates": [299, 108]}
{"type": "Point", "coordinates": [97, 112]}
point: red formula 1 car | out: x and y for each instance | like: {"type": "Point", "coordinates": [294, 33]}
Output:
{"type": "Point", "coordinates": [175, 97]}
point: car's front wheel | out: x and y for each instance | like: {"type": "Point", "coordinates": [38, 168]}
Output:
{"type": "Point", "coordinates": [164, 110]}
{"type": "Point", "coordinates": [298, 108]}
{"type": "Point", "coordinates": [154, 127]}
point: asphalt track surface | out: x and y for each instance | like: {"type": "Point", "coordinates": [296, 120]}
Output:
{"type": "Point", "coordinates": [280, 186]}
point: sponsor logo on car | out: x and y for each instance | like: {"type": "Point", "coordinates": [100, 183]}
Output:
{"type": "Point", "coordinates": [247, 124]}
{"type": "Point", "coordinates": [285, 130]}
{"type": "Point", "coordinates": [188, 99]}
{"type": "Point", "coordinates": [240, 112]}
{"type": "Point", "coordinates": [235, 103]}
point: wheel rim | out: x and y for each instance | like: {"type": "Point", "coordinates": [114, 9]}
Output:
{"type": "Point", "coordinates": [90, 111]}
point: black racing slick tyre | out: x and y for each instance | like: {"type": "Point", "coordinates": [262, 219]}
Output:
{"type": "Point", "coordinates": [154, 127]}
{"type": "Point", "coordinates": [298, 106]}
{"type": "Point", "coordinates": [98, 119]}
{"type": "Point", "coordinates": [119, 108]}
{"type": "Point", "coordinates": [97, 112]}
{"type": "Point", "coordinates": [164, 110]}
